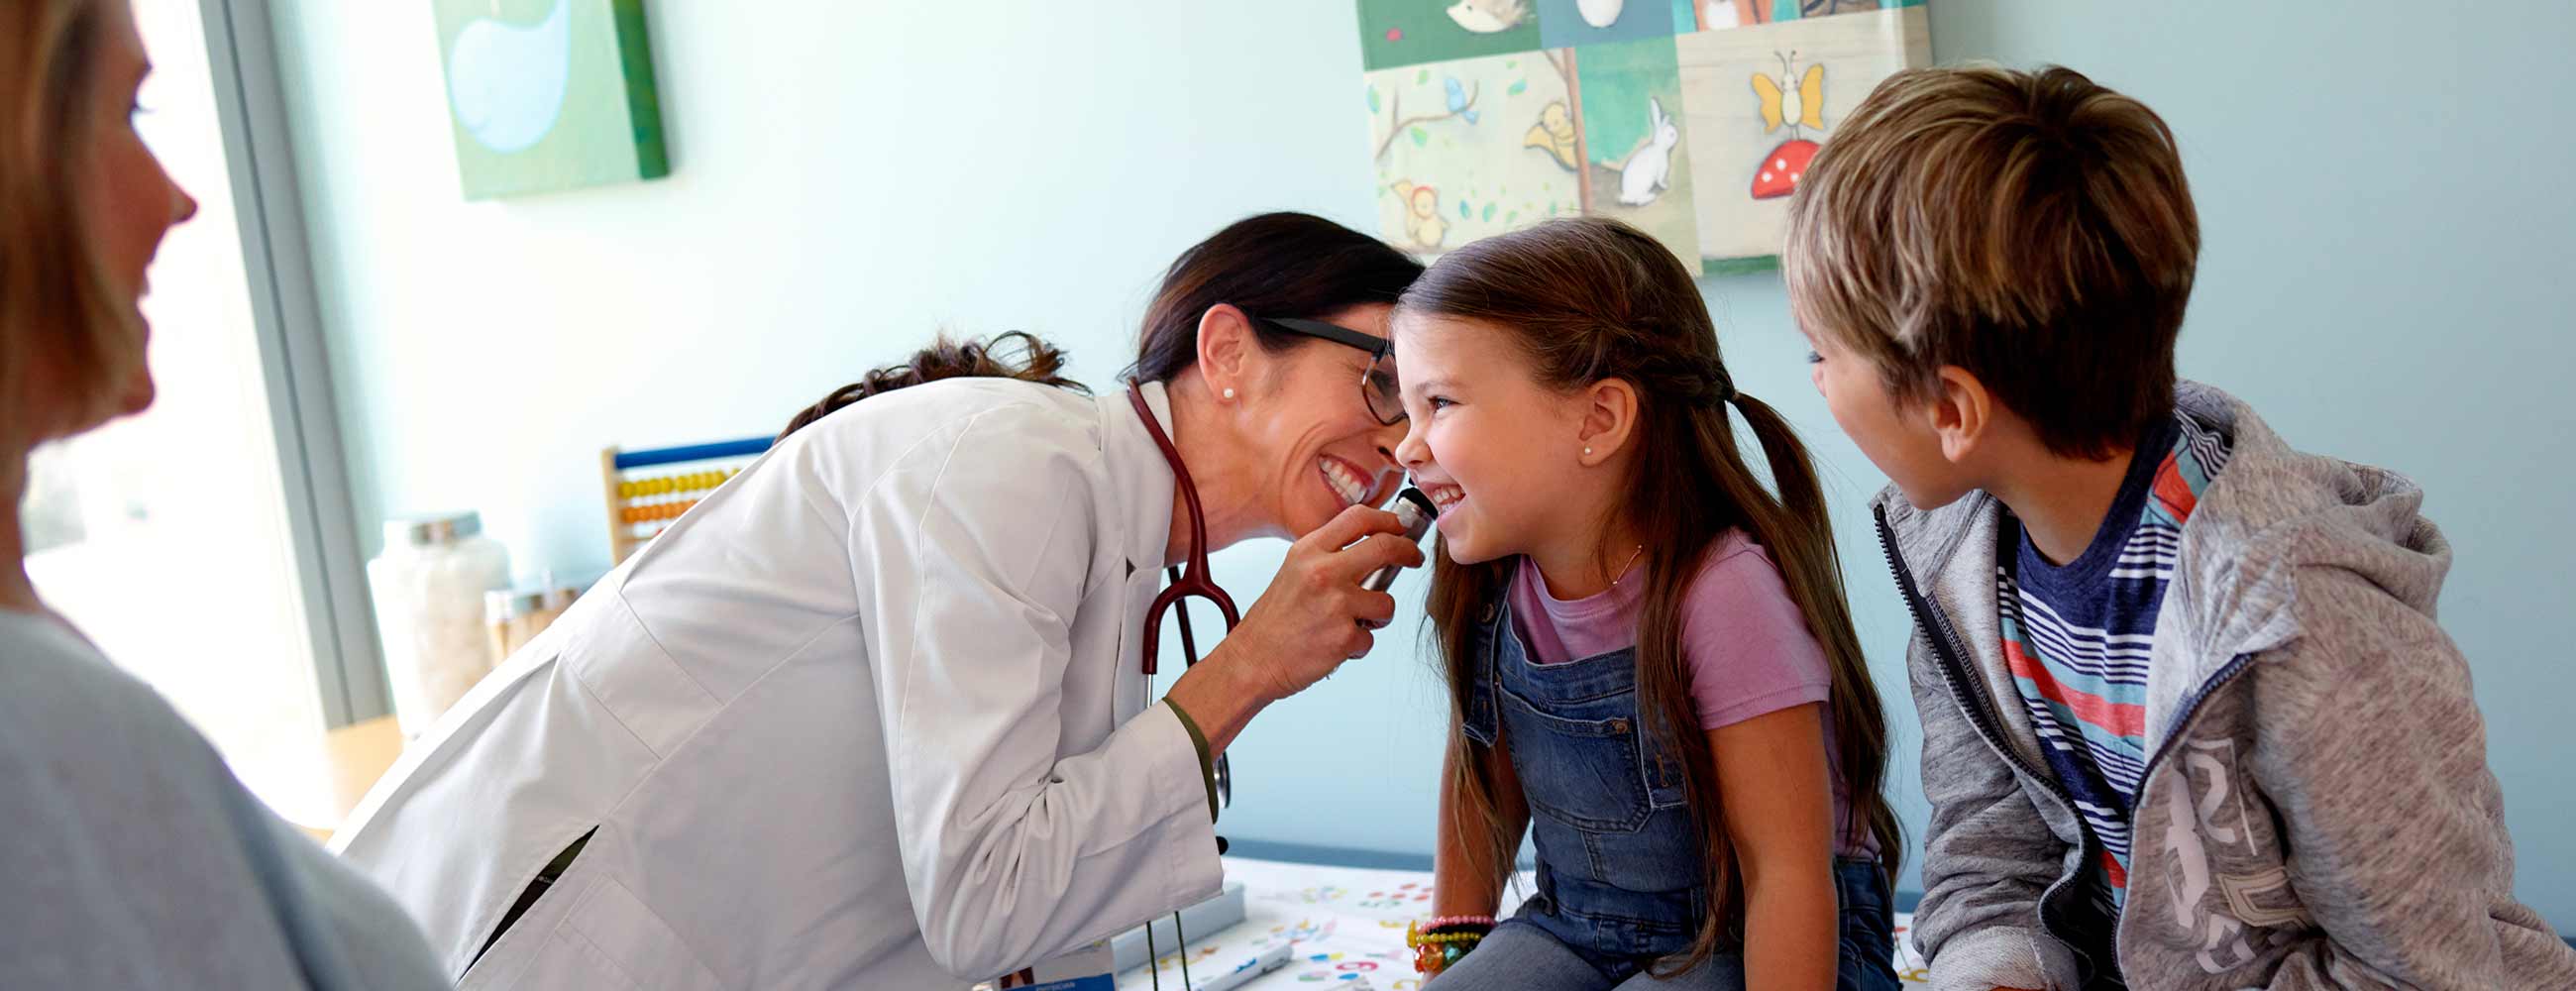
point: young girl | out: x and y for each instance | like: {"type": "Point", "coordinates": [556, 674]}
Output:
{"type": "Point", "coordinates": [1649, 657]}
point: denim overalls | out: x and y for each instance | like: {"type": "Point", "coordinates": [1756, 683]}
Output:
{"type": "Point", "coordinates": [1620, 865]}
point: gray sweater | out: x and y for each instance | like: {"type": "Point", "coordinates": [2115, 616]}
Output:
{"type": "Point", "coordinates": [130, 857]}
{"type": "Point", "coordinates": [2317, 811]}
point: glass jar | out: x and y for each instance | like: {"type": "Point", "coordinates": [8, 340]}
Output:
{"type": "Point", "coordinates": [428, 585]}
{"type": "Point", "coordinates": [516, 615]}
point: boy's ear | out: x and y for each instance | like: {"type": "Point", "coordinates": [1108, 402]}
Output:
{"type": "Point", "coordinates": [1961, 413]}
{"type": "Point", "coordinates": [1609, 419]}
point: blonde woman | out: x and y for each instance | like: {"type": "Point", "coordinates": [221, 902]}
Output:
{"type": "Point", "coordinates": [131, 856]}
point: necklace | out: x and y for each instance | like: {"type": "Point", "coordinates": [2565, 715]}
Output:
{"type": "Point", "coordinates": [1623, 568]}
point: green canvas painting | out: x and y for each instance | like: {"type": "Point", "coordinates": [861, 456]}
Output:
{"type": "Point", "coordinates": [1411, 32]}
{"type": "Point", "coordinates": [545, 95]}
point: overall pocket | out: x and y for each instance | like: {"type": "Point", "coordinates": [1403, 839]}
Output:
{"type": "Point", "coordinates": [1586, 773]}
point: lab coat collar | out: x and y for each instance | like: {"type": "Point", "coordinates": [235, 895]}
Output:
{"type": "Point", "coordinates": [1143, 476]}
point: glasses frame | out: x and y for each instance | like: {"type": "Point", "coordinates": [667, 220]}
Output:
{"type": "Point", "coordinates": [1381, 357]}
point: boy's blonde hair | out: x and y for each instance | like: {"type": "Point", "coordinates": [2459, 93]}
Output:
{"type": "Point", "coordinates": [62, 330]}
{"type": "Point", "coordinates": [2033, 229]}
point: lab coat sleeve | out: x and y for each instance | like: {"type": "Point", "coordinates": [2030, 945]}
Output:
{"type": "Point", "coordinates": [977, 552]}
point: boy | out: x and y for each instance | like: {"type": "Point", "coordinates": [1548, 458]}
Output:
{"type": "Point", "coordinates": [2188, 720]}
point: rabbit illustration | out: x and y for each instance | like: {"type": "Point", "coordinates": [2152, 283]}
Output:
{"type": "Point", "coordinates": [1649, 170]}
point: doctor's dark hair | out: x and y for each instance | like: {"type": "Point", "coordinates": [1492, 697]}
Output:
{"type": "Point", "coordinates": [1272, 265]}
{"type": "Point", "coordinates": [1590, 300]}
{"type": "Point", "coordinates": [1037, 361]}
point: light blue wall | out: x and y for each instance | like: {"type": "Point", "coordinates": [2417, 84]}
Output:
{"type": "Point", "coordinates": [2383, 194]}
{"type": "Point", "coordinates": [2385, 210]}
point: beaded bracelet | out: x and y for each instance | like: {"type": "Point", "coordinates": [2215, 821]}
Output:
{"type": "Point", "coordinates": [1434, 949]}
{"type": "Point", "coordinates": [1445, 921]}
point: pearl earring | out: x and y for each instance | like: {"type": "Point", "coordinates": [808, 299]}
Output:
{"type": "Point", "coordinates": [1587, 452]}
{"type": "Point", "coordinates": [1229, 393]}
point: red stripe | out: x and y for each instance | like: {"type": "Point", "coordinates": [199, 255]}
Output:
{"type": "Point", "coordinates": [2174, 491]}
{"type": "Point", "coordinates": [2111, 869]}
{"type": "Point", "coordinates": [2120, 718]}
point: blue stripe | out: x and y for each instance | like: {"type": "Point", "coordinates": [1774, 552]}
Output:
{"type": "Point", "coordinates": [692, 452]}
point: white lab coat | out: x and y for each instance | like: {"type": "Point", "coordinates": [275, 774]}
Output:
{"type": "Point", "coordinates": [870, 716]}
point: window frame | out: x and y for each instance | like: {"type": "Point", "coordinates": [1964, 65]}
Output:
{"type": "Point", "coordinates": [286, 318]}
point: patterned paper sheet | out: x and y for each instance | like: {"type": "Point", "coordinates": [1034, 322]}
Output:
{"type": "Point", "coordinates": [1344, 927]}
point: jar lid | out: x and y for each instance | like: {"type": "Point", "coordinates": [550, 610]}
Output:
{"type": "Point", "coordinates": [501, 605]}
{"type": "Point", "coordinates": [431, 528]}
{"type": "Point", "coordinates": [526, 600]}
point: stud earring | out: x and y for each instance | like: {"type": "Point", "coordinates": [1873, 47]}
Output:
{"type": "Point", "coordinates": [1229, 393]}
{"type": "Point", "coordinates": [1587, 452]}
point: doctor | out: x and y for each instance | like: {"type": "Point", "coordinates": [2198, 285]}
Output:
{"type": "Point", "coordinates": [875, 715]}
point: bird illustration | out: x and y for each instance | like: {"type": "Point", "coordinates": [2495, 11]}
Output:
{"type": "Point", "coordinates": [1458, 99]}
{"type": "Point", "coordinates": [1554, 133]}
{"type": "Point", "coordinates": [1802, 107]}
{"type": "Point", "coordinates": [506, 82]}
{"type": "Point", "coordinates": [1599, 13]}
{"type": "Point", "coordinates": [1489, 16]}
{"type": "Point", "coordinates": [1422, 214]}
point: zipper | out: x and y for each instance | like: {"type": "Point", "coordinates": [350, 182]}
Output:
{"type": "Point", "coordinates": [1946, 647]}
{"type": "Point", "coordinates": [2174, 731]}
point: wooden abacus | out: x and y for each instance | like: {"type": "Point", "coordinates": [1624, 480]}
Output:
{"type": "Point", "coordinates": [642, 503]}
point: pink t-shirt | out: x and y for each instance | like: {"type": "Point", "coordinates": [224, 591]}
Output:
{"type": "Point", "coordinates": [1743, 639]}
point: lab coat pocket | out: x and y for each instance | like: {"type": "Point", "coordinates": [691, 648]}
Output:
{"type": "Point", "coordinates": [610, 940]}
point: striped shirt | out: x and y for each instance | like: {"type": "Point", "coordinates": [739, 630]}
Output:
{"type": "Point", "coordinates": [2076, 636]}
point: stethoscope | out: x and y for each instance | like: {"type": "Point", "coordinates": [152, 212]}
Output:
{"type": "Point", "coordinates": [1187, 581]}
{"type": "Point", "coordinates": [1193, 580]}
{"type": "Point", "coordinates": [1190, 579]}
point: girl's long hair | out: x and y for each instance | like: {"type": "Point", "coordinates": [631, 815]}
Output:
{"type": "Point", "coordinates": [1588, 300]}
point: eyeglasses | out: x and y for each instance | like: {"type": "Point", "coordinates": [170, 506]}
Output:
{"type": "Point", "coordinates": [1379, 386]}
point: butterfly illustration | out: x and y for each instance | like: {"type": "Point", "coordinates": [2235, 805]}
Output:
{"type": "Point", "coordinates": [1800, 107]}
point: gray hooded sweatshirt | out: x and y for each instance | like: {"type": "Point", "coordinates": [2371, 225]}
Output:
{"type": "Point", "coordinates": [2316, 811]}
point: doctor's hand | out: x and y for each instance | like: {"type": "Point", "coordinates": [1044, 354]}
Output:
{"type": "Point", "coordinates": [1314, 616]}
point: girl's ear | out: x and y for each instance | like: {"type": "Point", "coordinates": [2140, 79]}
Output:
{"type": "Point", "coordinates": [1608, 419]}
